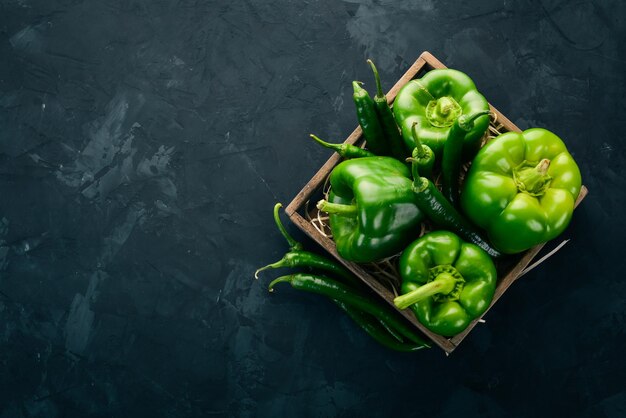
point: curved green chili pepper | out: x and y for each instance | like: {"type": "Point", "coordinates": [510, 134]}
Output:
{"type": "Point", "coordinates": [347, 151]}
{"type": "Point", "coordinates": [297, 257]}
{"type": "Point", "coordinates": [328, 287]}
{"type": "Point", "coordinates": [387, 120]}
{"type": "Point", "coordinates": [368, 119]}
{"type": "Point", "coordinates": [451, 159]}
{"type": "Point", "coordinates": [378, 333]}
{"type": "Point", "coordinates": [378, 328]}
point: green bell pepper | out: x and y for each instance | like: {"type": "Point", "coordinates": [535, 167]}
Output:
{"type": "Point", "coordinates": [446, 282]}
{"type": "Point", "coordinates": [372, 208]}
{"type": "Point", "coordinates": [521, 188]}
{"type": "Point", "coordinates": [435, 101]}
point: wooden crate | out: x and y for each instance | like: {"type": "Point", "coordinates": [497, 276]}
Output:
{"type": "Point", "coordinates": [507, 273]}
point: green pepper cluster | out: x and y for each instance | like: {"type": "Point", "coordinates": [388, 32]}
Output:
{"type": "Point", "coordinates": [519, 192]}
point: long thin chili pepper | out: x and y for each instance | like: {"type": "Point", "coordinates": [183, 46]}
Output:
{"type": "Point", "coordinates": [345, 150]}
{"type": "Point", "coordinates": [368, 119]}
{"type": "Point", "coordinates": [340, 292]}
{"type": "Point", "coordinates": [441, 212]}
{"type": "Point", "coordinates": [387, 121]}
{"type": "Point", "coordinates": [451, 158]}
{"type": "Point", "coordinates": [378, 327]}
{"type": "Point", "coordinates": [297, 257]}
{"type": "Point", "coordinates": [378, 333]}
{"type": "Point", "coordinates": [305, 259]}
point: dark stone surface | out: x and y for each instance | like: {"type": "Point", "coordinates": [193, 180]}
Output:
{"type": "Point", "coordinates": [143, 144]}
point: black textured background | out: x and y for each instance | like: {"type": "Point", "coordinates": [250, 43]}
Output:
{"type": "Point", "coordinates": [143, 144]}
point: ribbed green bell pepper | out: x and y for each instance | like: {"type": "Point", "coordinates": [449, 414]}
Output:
{"type": "Point", "coordinates": [521, 188]}
{"type": "Point", "coordinates": [372, 208]}
{"type": "Point", "coordinates": [446, 282]}
{"type": "Point", "coordinates": [435, 101]}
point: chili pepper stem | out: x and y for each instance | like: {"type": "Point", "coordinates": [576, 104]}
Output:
{"type": "Point", "coordinates": [444, 283]}
{"type": "Point", "coordinates": [379, 88]}
{"type": "Point", "coordinates": [466, 122]}
{"type": "Point", "coordinates": [293, 244]}
{"type": "Point", "coordinates": [419, 183]}
{"type": "Point", "coordinates": [421, 152]}
{"type": "Point", "coordinates": [345, 150]}
{"type": "Point", "coordinates": [278, 264]}
{"type": "Point", "coordinates": [281, 279]}
{"type": "Point", "coordinates": [335, 147]}
{"type": "Point", "coordinates": [336, 208]}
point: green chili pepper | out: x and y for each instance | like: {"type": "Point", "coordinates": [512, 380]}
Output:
{"type": "Point", "coordinates": [387, 120]}
{"type": "Point", "coordinates": [521, 188]}
{"type": "Point", "coordinates": [378, 328]}
{"type": "Point", "coordinates": [377, 332]}
{"type": "Point", "coordinates": [441, 212]}
{"type": "Point", "coordinates": [345, 150]}
{"type": "Point", "coordinates": [372, 208]}
{"type": "Point", "coordinates": [424, 156]}
{"type": "Point", "coordinates": [368, 119]}
{"type": "Point", "coordinates": [446, 282]}
{"type": "Point", "coordinates": [328, 287]}
{"type": "Point", "coordinates": [435, 101]}
{"type": "Point", "coordinates": [451, 160]}
{"type": "Point", "coordinates": [297, 257]}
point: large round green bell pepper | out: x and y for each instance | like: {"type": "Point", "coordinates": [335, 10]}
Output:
{"type": "Point", "coordinates": [372, 208]}
{"type": "Point", "coordinates": [435, 101]}
{"type": "Point", "coordinates": [446, 282]}
{"type": "Point", "coordinates": [521, 188]}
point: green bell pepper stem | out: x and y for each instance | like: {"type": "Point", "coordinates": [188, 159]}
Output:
{"type": "Point", "coordinates": [452, 152]}
{"type": "Point", "coordinates": [337, 208]}
{"type": "Point", "coordinates": [423, 154]}
{"type": "Point", "coordinates": [441, 212]}
{"type": "Point", "coordinates": [533, 180]}
{"type": "Point", "coordinates": [345, 150]}
{"type": "Point", "coordinates": [443, 110]}
{"type": "Point", "coordinates": [328, 287]}
{"type": "Point", "coordinates": [387, 120]}
{"type": "Point", "coordinates": [444, 283]}
{"type": "Point", "coordinates": [368, 119]}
